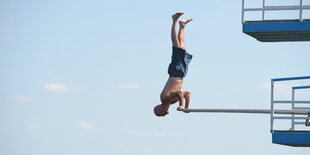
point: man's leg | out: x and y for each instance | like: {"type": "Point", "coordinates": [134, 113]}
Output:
{"type": "Point", "coordinates": [174, 34]}
{"type": "Point", "coordinates": [181, 32]}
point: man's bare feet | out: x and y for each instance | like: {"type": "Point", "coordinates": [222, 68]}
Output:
{"type": "Point", "coordinates": [177, 15]}
{"type": "Point", "coordinates": [184, 22]}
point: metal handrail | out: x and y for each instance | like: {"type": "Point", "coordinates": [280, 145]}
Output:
{"type": "Point", "coordinates": [293, 101]}
{"type": "Point", "coordinates": [288, 117]}
{"type": "Point", "coordinates": [293, 123]}
{"type": "Point", "coordinates": [264, 8]}
{"type": "Point", "coordinates": [291, 78]}
{"type": "Point", "coordinates": [301, 87]}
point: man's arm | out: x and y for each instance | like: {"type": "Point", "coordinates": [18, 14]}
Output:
{"type": "Point", "coordinates": [181, 100]}
{"type": "Point", "coordinates": [187, 96]}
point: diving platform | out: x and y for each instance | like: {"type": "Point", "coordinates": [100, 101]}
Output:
{"type": "Point", "coordinates": [295, 112]}
{"type": "Point", "coordinates": [277, 30]}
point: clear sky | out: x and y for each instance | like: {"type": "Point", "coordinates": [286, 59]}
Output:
{"type": "Point", "coordinates": [82, 77]}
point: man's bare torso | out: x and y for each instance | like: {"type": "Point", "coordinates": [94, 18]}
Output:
{"type": "Point", "coordinates": [173, 84]}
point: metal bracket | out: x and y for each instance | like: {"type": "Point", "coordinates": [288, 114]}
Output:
{"type": "Point", "coordinates": [307, 123]}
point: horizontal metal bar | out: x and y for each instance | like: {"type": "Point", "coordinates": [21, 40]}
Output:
{"type": "Point", "coordinates": [295, 112]}
{"type": "Point", "coordinates": [261, 111]}
{"type": "Point", "coordinates": [291, 78]}
{"type": "Point", "coordinates": [306, 6]}
{"type": "Point", "coordinates": [255, 111]}
{"type": "Point", "coordinates": [278, 117]}
{"type": "Point", "coordinates": [293, 7]}
{"type": "Point", "coordinates": [301, 107]}
{"type": "Point", "coordinates": [282, 101]}
{"type": "Point", "coordinates": [301, 87]}
{"type": "Point", "coordinates": [254, 9]}
{"type": "Point", "coordinates": [276, 8]}
{"type": "Point", "coordinates": [299, 123]}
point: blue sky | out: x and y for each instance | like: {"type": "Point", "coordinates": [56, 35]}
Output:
{"type": "Point", "coordinates": [82, 77]}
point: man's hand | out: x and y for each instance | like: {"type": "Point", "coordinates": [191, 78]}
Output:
{"type": "Point", "coordinates": [180, 108]}
{"type": "Point", "coordinates": [187, 96]}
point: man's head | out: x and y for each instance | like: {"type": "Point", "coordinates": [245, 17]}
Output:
{"type": "Point", "coordinates": [160, 110]}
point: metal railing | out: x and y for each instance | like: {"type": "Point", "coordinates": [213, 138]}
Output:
{"type": "Point", "coordinates": [301, 7]}
{"type": "Point", "coordinates": [293, 102]}
{"type": "Point", "coordinates": [294, 107]}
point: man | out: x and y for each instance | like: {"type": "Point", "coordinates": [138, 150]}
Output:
{"type": "Point", "coordinates": [178, 67]}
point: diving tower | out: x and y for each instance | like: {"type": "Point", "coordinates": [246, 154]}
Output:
{"type": "Point", "coordinates": [277, 29]}
{"type": "Point", "coordinates": [295, 115]}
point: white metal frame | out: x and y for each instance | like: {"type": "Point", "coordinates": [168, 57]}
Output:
{"type": "Point", "coordinates": [293, 102]}
{"type": "Point", "coordinates": [301, 7]}
{"type": "Point", "coordinates": [294, 107]}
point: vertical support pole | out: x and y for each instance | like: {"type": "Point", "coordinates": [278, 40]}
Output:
{"type": "Point", "coordinates": [300, 10]}
{"type": "Point", "coordinates": [242, 12]}
{"type": "Point", "coordinates": [293, 107]}
{"type": "Point", "coordinates": [272, 106]}
{"type": "Point", "coordinates": [263, 13]}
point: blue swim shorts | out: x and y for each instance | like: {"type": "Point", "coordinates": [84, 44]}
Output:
{"type": "Point", "coordinates": [180, 60]}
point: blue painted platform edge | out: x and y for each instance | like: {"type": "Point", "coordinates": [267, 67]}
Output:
{"type": "Point", "coordinates": [301, 87]}
{"type": "Point", "coordinates": [291, 138]}
{"type": "Point", "coordinates": [279, 26]}
{"type": "Point", "coordinates": [291, 78]}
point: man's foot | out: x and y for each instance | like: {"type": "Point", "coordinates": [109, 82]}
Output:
{"type": "Point", "coordinates": [177, 15]}
{"type": "Point", "coordinates": [180, 108]}
{"type": "Point", "coordinates": [184, 22]}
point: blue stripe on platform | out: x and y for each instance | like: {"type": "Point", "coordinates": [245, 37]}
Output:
{"type": "Point", "coordinates": [279, 26]}
{"type": "Point", "coordinates": [291, 138]}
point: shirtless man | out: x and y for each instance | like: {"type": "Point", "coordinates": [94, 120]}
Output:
{"type": "Point", "coordinates": [178, 67]}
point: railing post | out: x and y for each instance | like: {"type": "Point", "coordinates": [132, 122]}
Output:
{"type": "Point", "coordinates": [272, 106]}
{"type": "Point", "coordinates": [300, 9]}
{"type": "Point", "coordinates": [263, 13]}
{"type": "Point", "coordinates": [242, 12]}
{"type": "Point", "coordinates": [293, 107]}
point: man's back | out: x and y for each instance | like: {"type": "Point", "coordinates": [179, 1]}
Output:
{"type": "Point", "coordinates": [173, 84]}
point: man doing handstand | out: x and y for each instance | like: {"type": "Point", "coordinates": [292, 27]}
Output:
{"type": "Point", "coordinates": [178, 67]}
